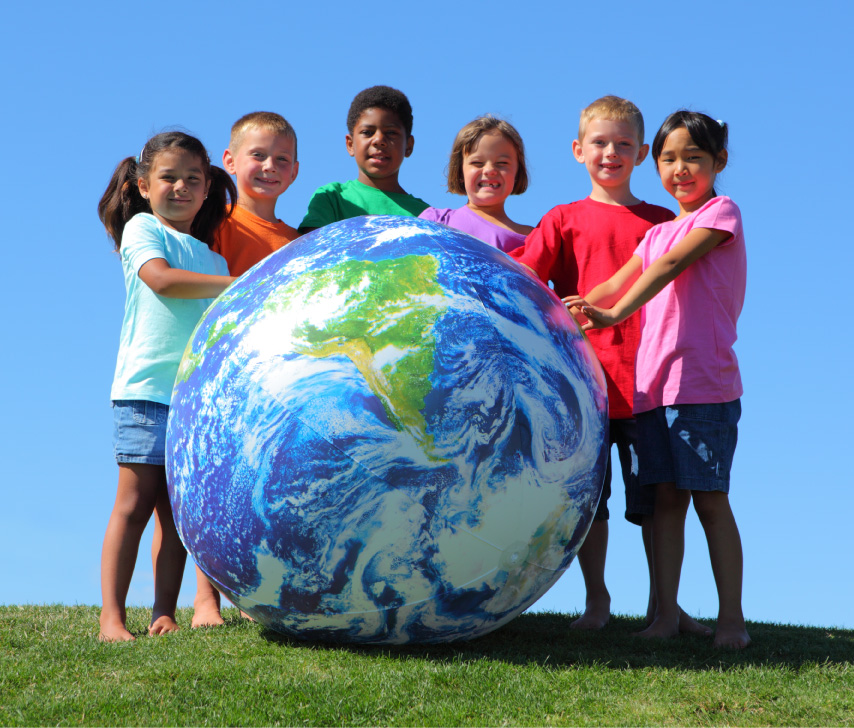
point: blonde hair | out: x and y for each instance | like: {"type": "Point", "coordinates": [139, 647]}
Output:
{"type": "Point", "coordinates": [467, 139]}
{"type": "Point", "coordinates": [267, 120]}
{"type": "Point", "coordinates": [612, 108]}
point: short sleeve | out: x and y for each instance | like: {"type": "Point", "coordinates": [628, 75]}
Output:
{"type": "Point", "coordinates": [143, 240]}
{"type": "Point", "coordinates": [720, 213]}
{"type": "Point", "coordinates": [542, 246]}
{"type": "Point", "coordinates": [321, 210]}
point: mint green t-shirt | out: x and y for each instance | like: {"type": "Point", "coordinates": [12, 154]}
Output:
{"type": "Point", "coordinates": [342, 200]}
{"type": "Point", "coordinates": [156, 329]}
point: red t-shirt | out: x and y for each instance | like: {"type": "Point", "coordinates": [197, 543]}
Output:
{"type": "Point", "coordinates": [580, 245]}
{"type": "Point", "coordinates": [245, 239]}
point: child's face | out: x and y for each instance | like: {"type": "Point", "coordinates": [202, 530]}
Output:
{"type": "Point", "coordinates": [610, 150]}
{"type": "Point", "coordinates": [489, 170]}
{"type": "Point", "coordinates": [264, 164]}
{"type": "Point", "coordinates": [379, 145]}
{"type": "Point", "coordinates": [175, 188]}
{"type": "Point", "coordinates": [687, 172]}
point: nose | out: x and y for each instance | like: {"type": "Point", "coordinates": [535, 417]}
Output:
{"type": "Point", "coordinates": [378, 139]}
{"type": "Point", "coordinates": [180, 185]}
{"type": "Point", "coordinates": [269, 163]}
{"type": "Point", "coordinates": [610, 149]}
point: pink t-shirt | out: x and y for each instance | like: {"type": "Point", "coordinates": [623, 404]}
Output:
{"type": "Point", "coordinates": [685, 354]}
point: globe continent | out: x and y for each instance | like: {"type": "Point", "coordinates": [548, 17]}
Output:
{"type": "Point", "coordinates": [387, 431]}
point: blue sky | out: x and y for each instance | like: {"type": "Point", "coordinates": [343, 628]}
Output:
{"type": "Point", "coordinates": [84, 88]}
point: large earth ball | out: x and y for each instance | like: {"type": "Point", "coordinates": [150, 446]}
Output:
{"type": "Point", "coordinates": [387, 431]}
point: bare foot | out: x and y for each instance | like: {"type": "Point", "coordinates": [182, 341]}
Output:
{"type": "Point", "coordinates": [731, 636]}
{"type": "Point", "coordinates": [660, 629]}
{"type": "Point", "coordinates": [689, 625]}
{"type": "Point", "coordinates": [206, 612]}
{"type": "Point", "coordinates": [115, 632]}
{"type": "Point", "coordinates": [246, 616]}
{"type": "Point", "coordinates": [163, 625]}
{"type": "Point", "coordinates": [596, 615]}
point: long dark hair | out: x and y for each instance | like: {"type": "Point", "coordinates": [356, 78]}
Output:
{"type": "Point", "coordinates": [122, 200]}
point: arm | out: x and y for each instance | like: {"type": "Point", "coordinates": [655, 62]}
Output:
{"type": "Point", "coordinates": [662, 271]}
{"type": "Point", "coordinates": [170, 282]}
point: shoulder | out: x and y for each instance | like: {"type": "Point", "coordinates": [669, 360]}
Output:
{"type": "Point", "coordinates": [654, 213]}
{"type": "Point", "coordinates": [436, 214]}
{"type": "Point", "coordinates": [720, 213]}
{"type": "Point", "coordinates": [332, 188]}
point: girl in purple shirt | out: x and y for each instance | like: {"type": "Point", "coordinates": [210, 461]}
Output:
{"type": "Point", "coordinates": [689, 276]}
{"type": "Point", "coordinates": [487, 165]}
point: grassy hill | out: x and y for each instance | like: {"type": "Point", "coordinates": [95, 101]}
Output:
{"type": "Point", "coordinates": [535, 671]}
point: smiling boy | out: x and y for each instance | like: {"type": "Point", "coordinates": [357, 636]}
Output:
{"type": "Point", "coordinates": [576, 246]}
{"type": "Point", "coordinates": [379, 137]}
{"type": "Point", "coordinates": [262, 156]}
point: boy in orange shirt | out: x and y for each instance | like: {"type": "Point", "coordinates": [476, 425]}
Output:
{"type": "Point", "coordinates": [262, 156]}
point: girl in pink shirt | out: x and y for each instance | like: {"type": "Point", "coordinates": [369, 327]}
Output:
{"type": "Point", "coordinates": [689, 277]}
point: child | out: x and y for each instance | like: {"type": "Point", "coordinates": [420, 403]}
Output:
{"type": "Point", "coordinates": [379, 138]}
{"type": "Point", "coordinates": [161, 210]}
{"type": "Point", "coordinates": [575, 246]}
{"type": "Point", "coordinates": [687, 384]}
{"type": "Point", "coordinates": [487, 164]}
{"type": "Point", "coordinates": [262, 156]}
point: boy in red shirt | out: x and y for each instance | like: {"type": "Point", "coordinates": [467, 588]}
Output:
{"type": "Point", "coordinates": [262, 156]}
{"type": "Point", "coordinates": [577, 246]}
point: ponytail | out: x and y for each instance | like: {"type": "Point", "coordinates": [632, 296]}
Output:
{"type": "Point", "coordinates": [121, 200]}
{"type": "Point", "coordinates": [218, 206]}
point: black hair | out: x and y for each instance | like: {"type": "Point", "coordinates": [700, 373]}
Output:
{"type": "Point", "coordinates": [122, 199]}
{"type": "Point", "coordinates": [381, 97]}
{"type": "Point", "coordinates": [707, 133]}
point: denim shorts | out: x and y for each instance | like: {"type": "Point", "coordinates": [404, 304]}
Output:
{"type": "Point", "coordinates": [139, 431]}
{"type": "Point", "coordinates": [691, 445]}
{"type": "Point", "coordinates": [640, 501]}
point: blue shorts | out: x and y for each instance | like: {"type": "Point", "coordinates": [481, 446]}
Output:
{"type": "Point", "coordinates": [139, 431]}
{"type": "Point", "coordinates": [640, 501]}
{"type": "Point", "coordinates": [691, 445]}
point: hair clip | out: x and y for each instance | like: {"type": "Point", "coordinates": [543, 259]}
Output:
{"type": "Point", "coordinates": [721, 122]}
{"type": "Point", "coordinates": [141, 152]}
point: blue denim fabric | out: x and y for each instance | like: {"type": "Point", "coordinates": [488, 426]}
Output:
{"type": "Point", "coordinates": [139, 431]}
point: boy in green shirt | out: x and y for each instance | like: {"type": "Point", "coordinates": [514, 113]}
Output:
{"type": "Point", "coordinates": [379, 138]}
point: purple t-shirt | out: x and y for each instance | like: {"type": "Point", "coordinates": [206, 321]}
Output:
{"type": "Point", "coordinates": [685, 354]}
{"type": "Point", "coordinates": [470, 222]}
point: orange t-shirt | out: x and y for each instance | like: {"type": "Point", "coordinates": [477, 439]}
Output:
{"type": "Point", "coordinates": [244, 239]}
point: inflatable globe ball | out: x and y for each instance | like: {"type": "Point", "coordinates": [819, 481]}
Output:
{"type": "Point", "coordinates": [386, 432]}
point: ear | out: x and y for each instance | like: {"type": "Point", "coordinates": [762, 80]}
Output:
{"type": "Point", "coordinates": [349, 140]}
{"type": "Point", "coordinates": [642, 152]}
{"type": "Point", "coordinates": [721, 161]}
{"type": "Point", "coordinates": [295, 171]}
{"type": "Point", "coordinates": [142, 186]}
{"type": "Point", "coordinates": [228, 161]}
{"type": "Point", "coordinates": [577, 152]}
{"type": "Point", "coordinates": [410, 145]}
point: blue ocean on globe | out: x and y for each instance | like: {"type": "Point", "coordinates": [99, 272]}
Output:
{"type": "Point", "coordinates": [386, 432]}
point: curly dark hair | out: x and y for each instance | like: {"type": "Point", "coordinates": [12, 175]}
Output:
{"type": "Point", "coordinates": [381, 97]}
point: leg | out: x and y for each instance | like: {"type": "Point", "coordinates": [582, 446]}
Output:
{"type": "Point", "coordinates": [135, 499]}
{"type": "Point", "coordinates": [724, 541]}
{"type": "Point", "coordinates": [206, 605]}
{"type": "Point", "coordinates": [168, 565]}
{"type": "Point", "coordinates": [668, 548]}
{"type": "Point", "coordinates": [591, 559]}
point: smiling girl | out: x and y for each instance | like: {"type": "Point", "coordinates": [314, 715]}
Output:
{"type": "Point", "coordinates": [688, 278]}
{"type": "Point", "coordinates": [487, 165]}
{"type": "Point", "coordinates": [161, 210]}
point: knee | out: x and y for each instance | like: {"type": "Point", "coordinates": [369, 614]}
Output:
{"type": "Point", "coordinates": [711, 506]}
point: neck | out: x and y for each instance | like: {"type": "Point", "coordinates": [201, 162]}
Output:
{"type": "Point", "coordinates": [493, 213]}
{"type": "Point", "coordinates": [265, 209]}
{"type": "Point", "coordinates": [696, 205]}
{"type": "Point", "coordinates": [621, 195]}
{"type": "Point", "coordinates": [384, 184]}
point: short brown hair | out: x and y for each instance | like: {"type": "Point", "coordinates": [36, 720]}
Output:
{"type": "Point", "coordinates": [612, 108]}
{"type": "Point", "coordinates": [467, 139]}
{"type": "Point", "coordinates": [268, 120]}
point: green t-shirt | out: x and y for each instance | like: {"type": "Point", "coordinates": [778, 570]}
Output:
{"type": "Point", "coordinates": [342, 200]}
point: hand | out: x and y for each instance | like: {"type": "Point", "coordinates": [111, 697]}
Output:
{"type": "Point", "coordinates": [594, 317]}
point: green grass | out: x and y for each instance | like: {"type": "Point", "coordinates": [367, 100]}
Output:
{"type": "Point", "coordinates": [535, 671]}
